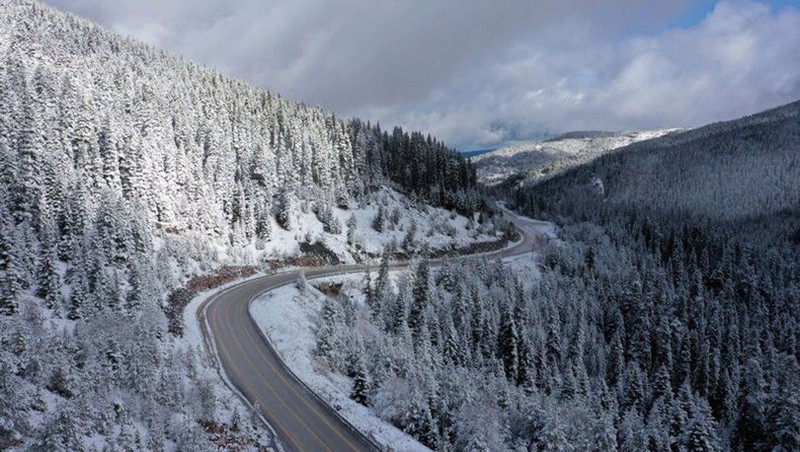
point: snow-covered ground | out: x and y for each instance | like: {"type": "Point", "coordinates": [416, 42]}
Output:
{"type": "Point", "coordinates": [184, 256]}
{"type": "Point", "coordinates": [537, 160]}
{"type": "Point", "coordinates": [228, 402]}
{"type": "Point", "coordinates": [437, 228]}
{"type": "Point", "coordinates": [289, 319]}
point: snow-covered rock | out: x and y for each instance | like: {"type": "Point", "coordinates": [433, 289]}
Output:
{"type": "Point", "coordinates": [542, 159]}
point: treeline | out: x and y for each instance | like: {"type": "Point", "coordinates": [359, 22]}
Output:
{"type": "Point", "coordinates": [741, 171]}
{"type": "Point", "coordinates": [121, 169]}
{"type": "Point", "coordinates": [417, 164]}
{"type": "Point", "coordinates": [635, 338]}
{"type": "Point", "coordinates": [667, 320]}
{"type": "Point", "coordinates": [686, 248]}
{"type": "Point", "coordinates": [82, 107]}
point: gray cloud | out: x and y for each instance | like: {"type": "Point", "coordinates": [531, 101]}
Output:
{"type": "Point", "coordinates": [479, 71]}
{"type": "Point", "coordinates": [741, 59]}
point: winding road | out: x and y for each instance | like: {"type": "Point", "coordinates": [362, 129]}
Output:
{"type": "Point", "coordinates": [300, 419]}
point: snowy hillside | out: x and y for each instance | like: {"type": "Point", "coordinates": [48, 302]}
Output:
{"type": "Point", "coordinates": [740, 170]}
{"type": "Point", "coordinates": [688, 263]}
{"type": "Point", "coordinates": [401, 375]}
{"type": "Point", "coordinates": [542, 159]}
{"type": "Point", "coordinates": [130, 181]}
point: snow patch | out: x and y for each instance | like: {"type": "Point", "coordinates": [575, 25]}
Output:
{"type": "Point", "coordinates": [288, 319]}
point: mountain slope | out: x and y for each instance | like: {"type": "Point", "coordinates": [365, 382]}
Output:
{"type": "Point", "coordinates": [124, 172]}
{"type": "Point", "coordinates": [535, 161]}
{"type": "Point", "coordinates": [732, 171]}
{"type": "Point", "coordinates": [117, 116]}
{"type": "Point", "coordinates": [686, 250]}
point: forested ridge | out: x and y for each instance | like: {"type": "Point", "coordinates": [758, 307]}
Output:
{"type": "Point", "coordinates": [667, 319]}
{"type": "Point", "coordinates": [122, 169]}
{"type": "Point", "coordinates": [690, 248]}
{"type": "Point", "coordinates": [629, 340]}
{"type": "Point", "coordinates": [731, 171]}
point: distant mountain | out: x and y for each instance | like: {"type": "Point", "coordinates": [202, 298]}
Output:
{"type": "Point", "coordinates": [732, 170]}
{"type": "Point", "coordinates": [533, 161]}
{"type": "Point", "coordinates": [578, 134]}
{"type": "Point", "coordinates": [476, 152]}
{"type": "Point", "coordinates": [684, 253]}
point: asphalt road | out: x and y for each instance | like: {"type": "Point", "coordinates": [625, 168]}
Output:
{"type": "Point", "coordinates": [301, 420]}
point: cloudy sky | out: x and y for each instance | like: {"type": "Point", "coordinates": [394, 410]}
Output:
{"type": "Point", "coordinates": [477, 72]}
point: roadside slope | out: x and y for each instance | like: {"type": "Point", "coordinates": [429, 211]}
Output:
{"type": "Point", "coordinates": [300, 418]}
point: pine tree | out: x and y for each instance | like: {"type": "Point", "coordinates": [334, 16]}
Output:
{"type": "Point", "coordinates": [421, 424]}
{"type": "Point", "coordinates": [604, 433]}
{"type": "Point", "coordinates": [750, 429]}
{"type": "Point", "coordinates": [77, 301]}
{"type": "Point", "coordinates": [633, 388]}
{"type": "Point", "coordinates": [352, 226]}
{"type": "Point", "coordinates": [263, 225]}
{"type": "Point", "coordinates": [284, 210]}
{"type": "Point", "coordinates": [508, 345]}
{"type": "Point", "coordinates": [553, 436]}
{"type": "Point", "coordinates": [783, 413]}
{"type": "Point", "coordinates": [382, 281]}
{"type": "Point", "coordinates": [408, 239]}
{"type": "Point", "coordinates": [361, 383]}
{"type": "Point", "coordinates": [420, 297]}
{"type": "Point", "coordinates": [10, 259]}
{"type": "Point", "coordinates": [632, 432]}
{"type": "Point", "coordinates": [553, 342]}
{"type": "Point", "coordinates": [379, 220]}
{"type": "Point", "coordinates": [399, 315]}
{"type": "Point", "coordinates": [61, 431]}
{"type": "Point", "coordinates": [615, 364]}
{"type": "Point", "coordinates": [328, 329]}
{"type": "Point", "coordinates": [49, 279]}
{"type": "Point", "coordinates": [701, 434]}
{"type": "Point", "coordinates": [30, 146]}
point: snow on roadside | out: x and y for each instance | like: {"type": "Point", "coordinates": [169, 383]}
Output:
{"type": "Point", "coordinates": [190, 254]}
{"type": "Point", "coordinates": [437, 227]}
{"type": "Point", "coordinates": [193, 343]}
{"type": "Point", "coordinates": [288, 319]}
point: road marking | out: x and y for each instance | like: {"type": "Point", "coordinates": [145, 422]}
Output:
{"type": "Point", "coordinates": [261, 351]}
{"type": "Point", "coordinates": [285, 279]}
{"type": "Point", "coordinates": [291, 384]}
{"type": "Point", "coordinates": [267, 383]}
{"type": "Point", "coordinates": [224, 351]}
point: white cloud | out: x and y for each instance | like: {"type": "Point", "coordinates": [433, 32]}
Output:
{"type": "Point", "coordinates": [741, 59]}
{"type": "Point", "coordinates": [471, 71]}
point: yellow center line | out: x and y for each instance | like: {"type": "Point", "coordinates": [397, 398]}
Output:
{"type": "Point", "coordinates": [223, 350]}
{"type": "Point", "coordinates": [267, 383]}
{"type": "Point", "coordinates": [291, 388]}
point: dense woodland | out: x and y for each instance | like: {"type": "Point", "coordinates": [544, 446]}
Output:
{"type": "Point", "coordinates": [668, 319]}
{"type": "Point", "coordinates": [120, 167]}
{"type": "Point", "coordinates": [691, 246]}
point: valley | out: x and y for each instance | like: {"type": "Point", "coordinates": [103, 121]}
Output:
{"type": "Point", "coordinates": [191, 261]}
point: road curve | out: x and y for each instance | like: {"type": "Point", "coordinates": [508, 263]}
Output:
{"type": "Point", "coordinates": [301, 420]}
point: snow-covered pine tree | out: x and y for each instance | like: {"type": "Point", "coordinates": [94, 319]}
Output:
{"type": "Point", "coordinates": [352, 225]}
{"type": "Point", "coordinates": [378, 222]}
